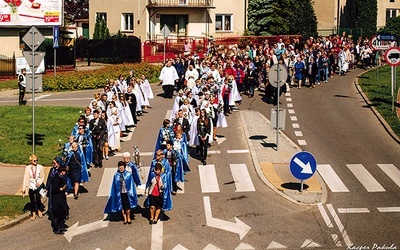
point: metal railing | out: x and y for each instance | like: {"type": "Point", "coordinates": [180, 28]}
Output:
{"type": "Point", "coordinates": [180, 3]}
{"type": "Point", "coordinates": [7, 66]}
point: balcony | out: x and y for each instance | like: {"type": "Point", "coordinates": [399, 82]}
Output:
{"type": "Point", "coordinates": [180, 4]}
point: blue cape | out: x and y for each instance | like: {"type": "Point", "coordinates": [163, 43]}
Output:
{"type": "Point", "coordinates": [135, 173]}
{"type": "Point", "coordinates": [167, 180]}
{"type": "Point", "coordinates": [179, 176]}
{"type": "Point", "coordinates": [114, 203]}
{"type": "Point", "coordinates": [160, 137]}
{"type": "Point", "coordinates": [84, 170]}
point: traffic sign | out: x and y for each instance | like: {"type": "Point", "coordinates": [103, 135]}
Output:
{"type": "Point", "coordinates": [33, 58]}
{"type": "Point", "coordinates": [386, 37]}
{"type": "Point", "coordinates": [30, 79]}
{"type": "Point", "coordinates": [377, 44]}
{"type": "Point", "coordinates": [303, 165]}
{"type": "Point", "coordinates": [33, 38]}
{"type": "Point", "coordinates": [56, 35]}
{"type": "Point", "coordinates": [392, 56]}
{"type": "Point", "coordinates": [165, 31]}
{"type": "Point", "coordinates": [277, 71]}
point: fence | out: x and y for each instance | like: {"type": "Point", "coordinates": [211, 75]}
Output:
{"type": "Point", "coordinates": [153, 50]}
{"type": "Point", "coordinates": [7, 66]}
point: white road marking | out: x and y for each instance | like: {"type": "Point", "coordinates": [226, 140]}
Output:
{"type": "Point", "coordinates": [287, 94]}
{"type": "Point", "coordinates": [238, 227]}
{"type": "Point", "coordinates": [241, 177]}
{"type": "Point", "coordinates": [324, 215]}
{"type": "Point", "coordinates": [211, 247]}
{"type": "Point", "coordinates": [366, 179]}
{"type": "Point", "coordinates": [213, 152]}
{"type": "Point", "coordinates": [295, 125]}
{"type": "Point", "coordinates": [298, 133]}
{"type": "Point", "coordinates": [208, 179]}
{"type": "Point", "coordinates": [336, 240]}
{"type": "Point", "coordinates": [339, 224]}
{"type": "Point", "coordinates": [288, 99]}
{"type": "Point", "coordinates": [353, 210]}
{"type": "Point", "coordinates": [391, 171]}
{"type": "Point", "coordinates": [157, 236]}
{"type": "Point", "coordinates": [293, 118]}
{"type": "Point", "coordinates": [291, 111]}
{"type": "Point", "coordinates": [309, 243]}
{"type": "Point", "coordinates": [244, 246]}
{"type": "Point", "coordinates": [331, 178]}
{"type": "Point", "coordinates": [220, 140]}
{"type": "Point", "coordinates": [106, 180]}
{"type": "Point", "coordinates": [179, 247]}
{"type": "Point", "coordinates": [302, 142]}
{"type": "Point", "coordinates": [93, 226]}
{"type": "Point", "coordinates": [389, 209]}
{"type": "Point", "coordinates": [146, 153]}
{"type": "Point", "coordinates": [275, 245]}
{"type": "Point", "coordinates": [237, 151]}
{"type": "Point", "coordinates": [290, 105]}
{"type": "Point", "coordinates": [40, 97]}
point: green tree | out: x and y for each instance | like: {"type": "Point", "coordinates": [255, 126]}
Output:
{"type": "Point", "coordinates": [367, 14]}
{"type": "Point", "coordinates": [100, 29]}
{"type": "Point", "coordinates": [302, 19]}
{"type": "Point", "coordinates": [392, 27]}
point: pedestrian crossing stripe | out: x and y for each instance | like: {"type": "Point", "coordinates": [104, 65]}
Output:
{"type": "Point", "coordinates": [208, 179]}
{"type": "Point", "coordinates": [241, 177]}
{"type": "Point", "coordinates": [366, 179]}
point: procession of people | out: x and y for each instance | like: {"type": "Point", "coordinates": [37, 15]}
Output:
{"type": "Point", "coordinates": [207, 91]}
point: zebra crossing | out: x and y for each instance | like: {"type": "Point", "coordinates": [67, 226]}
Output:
{"type": "Point", "coordinates": [367, 180]}
{"type": "Point", "coordinates": [207, 174]}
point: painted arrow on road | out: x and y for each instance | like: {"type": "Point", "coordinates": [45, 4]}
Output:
{"type": "Point", "coordinates": [75, 230]}
{"type": "Point", "coordinates": [306, 167]}
{"type": "Point", "coordinates": [238, 226]}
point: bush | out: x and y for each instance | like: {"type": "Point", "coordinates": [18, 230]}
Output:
{"type": "Point", "coordinates": [93, 79]}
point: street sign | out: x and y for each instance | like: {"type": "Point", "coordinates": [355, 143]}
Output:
{"type": "Point", "coordinates": [38, 83]}
{"type": "Point", "coordinates": [281, 119]}
{"type": "Point", "coordinates": [303, 165]}
{"type": "Point", "coordinates": [386, 37]}
{"type": "Point", "coordinates": [33, 38]}
{"type": "Point", "coordinates": [276, 72]}
{"type": "Point", "coordinates": [165, 31]}
{"type": "Point", "coordinates": [392, 56]}
{"type": "Point", "coordinates": [34, 59]}
{"type": "Point", "coordinates": [56, 35]}
{"type": "Point", "coordinates": [380, 45]}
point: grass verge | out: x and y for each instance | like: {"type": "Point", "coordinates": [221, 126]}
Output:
{"type": "Point", "coordinates": [12, 206]}
{"type": "Point", "coordinates": [377, 87]}
{"type": "Point", "coordinates": [51, 125]}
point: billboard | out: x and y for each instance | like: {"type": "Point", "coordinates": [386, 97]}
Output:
{"type": "Point", "coordinates": [31, 12]}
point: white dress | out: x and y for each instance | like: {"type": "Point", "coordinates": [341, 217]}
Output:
{"type": "Point", "coordinates": [139, 98]}
{"type": "Point", "coordinates": [194, 139]}
{"type": "Point", "coordinates": [147, 89]}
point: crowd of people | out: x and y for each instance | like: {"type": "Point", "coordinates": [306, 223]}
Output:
{"type": "Point", "coordinates": [208, 89]}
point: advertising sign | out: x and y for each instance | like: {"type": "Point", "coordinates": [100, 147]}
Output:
{"type": "Point", "coordinates": [30, 12]}
{"type": "Point", "coordinates": [21, 63]}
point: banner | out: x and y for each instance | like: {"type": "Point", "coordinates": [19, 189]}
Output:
{"type": "Point", "coordinates": [30, 12]}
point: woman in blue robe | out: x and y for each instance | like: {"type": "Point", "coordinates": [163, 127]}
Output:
{"type": "Point", "coordinates": [166, 178]}
{"type": "Point", "coordinates": [123, 195]}
{"type": "Point", "coordinates": [165, 134]}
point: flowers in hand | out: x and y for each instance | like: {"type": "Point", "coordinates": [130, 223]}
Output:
{"type": "Point", "coordinates": [13, 2]}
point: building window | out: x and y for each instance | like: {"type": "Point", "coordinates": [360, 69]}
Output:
{"type": "Point", "coordinates": [183, 2]}
{"type": "Point", "coordinates": [101, 16]}
{"type": "Point", "coordinates": [392, 1]}
{"type": "Point", "coordinates": [127, 22]}
{"type": "Point", "coordinates": [176, 23]}
{"type": "Point", "coordinates": [223, 22]}
{"type": "Point", "coordinates": [390, 13]}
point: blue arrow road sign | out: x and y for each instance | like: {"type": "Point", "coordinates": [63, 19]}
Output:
{"type": "Point", "coordinates": [386, 37]}
{"type": "Point", "coordinates": [303, 165]}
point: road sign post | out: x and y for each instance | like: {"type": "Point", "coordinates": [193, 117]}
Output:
{"type": "Point", "coordinates": [392, 57]}
{"type": "Point", "coordinates": [165, 32]}
{"type": "Point", "coordinates": [56, 32]}
{"type": "Point", "coordinates": [33, 38]}
{"type": "Point", "coordinates": [277, 77]}
{"type": "Point", "coordinates": [302, 166]}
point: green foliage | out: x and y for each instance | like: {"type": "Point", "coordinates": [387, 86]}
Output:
{"type": "Point", "coordinates": [100, 29]}
{"type": "Point", "coordinates": [379, 93]}
{"type": "Point", "coordinates": [392, 27]}
{"type": "Point", "coordinates": [12, 205]}
{"type": "Point", "coordinates": [282, 17]}
{"type": "Point", "coordinates": [53, 123]}
{"type": "Point", "coordinates": [120, 35]}
{"type": "Point", "coordinates": [93, 79]}
{"type": "Point", "coordinates": [367, 13]}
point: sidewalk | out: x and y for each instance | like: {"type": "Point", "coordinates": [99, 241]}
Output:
{"type": "Point", "coordinates": [272, 166]}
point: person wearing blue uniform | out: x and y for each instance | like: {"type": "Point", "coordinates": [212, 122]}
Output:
{"type": "Point", "coordinates": [155, 189]}
{"type": "Point", "coordinates": [166, 177]}
{"type": "Point", "coordinates": [77, 171]}
{"type": "Point", "coordinates": [131, 167]}
{"type": "Point", "coordinates": [299, 68]}
{"type": "Point", "coordinates": [123, 195]}
{"type": "Point", "coordinates": [165, 134]}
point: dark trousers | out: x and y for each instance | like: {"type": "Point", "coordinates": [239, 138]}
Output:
{"type": "Point", "coordinates": [98, 151]}
{"type": "Point", "coordinates": [21, 94]}
{"type": "Point", "coordinates": [226, 103]}
{"type": "Point", "coordinates": [174, 185]}
{"type": "Point", "coordinates": [35, 202]}
{"type": "Point", "coordinates": [133, 112]}
{"type": "Point", "coordinates": [168, 91]}
{"type": "Point", "coordinates": [57, 223]}
{"type": "Point", "coordinates": [203, 148]}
